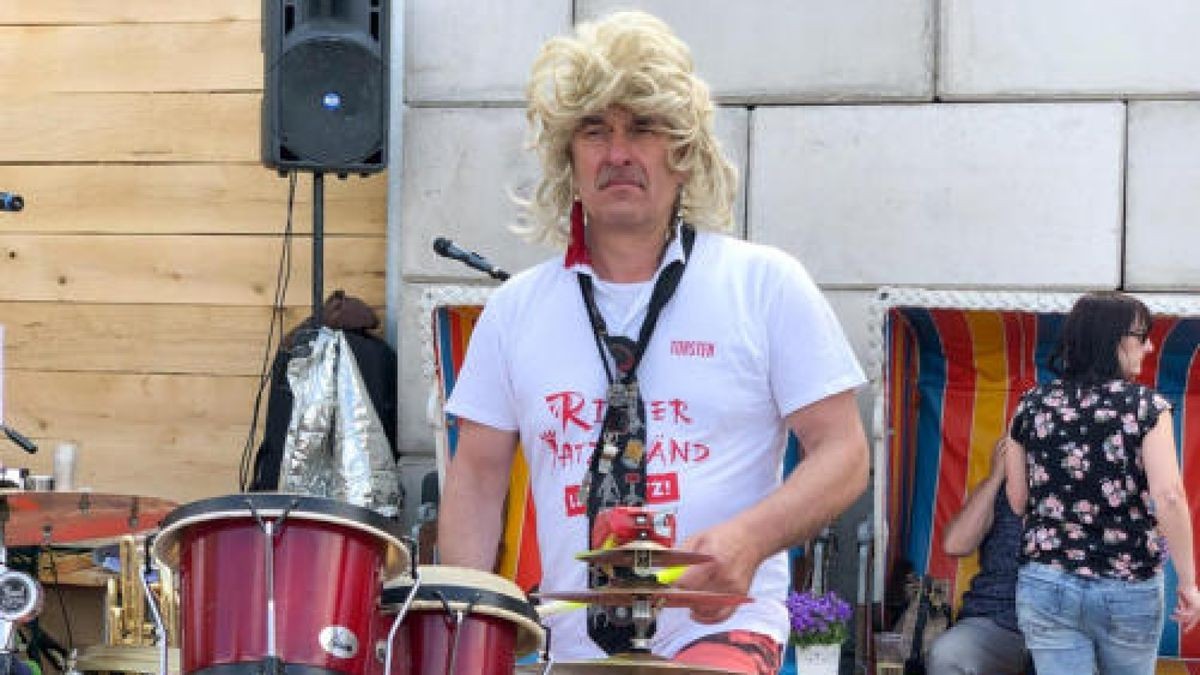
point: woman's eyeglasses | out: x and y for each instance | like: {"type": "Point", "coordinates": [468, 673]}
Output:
{"type": "Point", "coordinates": [1141, 335]}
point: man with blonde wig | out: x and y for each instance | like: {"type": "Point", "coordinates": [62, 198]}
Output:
{"type": "Point", "coordinates": [659, 362]}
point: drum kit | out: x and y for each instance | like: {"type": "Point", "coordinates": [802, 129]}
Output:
{"type": "Point", "coordinates": [281, 583]}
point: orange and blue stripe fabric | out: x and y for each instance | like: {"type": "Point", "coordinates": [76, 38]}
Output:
{"type": "Point", "coordinates": [519, 561]}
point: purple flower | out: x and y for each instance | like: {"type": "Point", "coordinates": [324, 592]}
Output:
{"type": "Point", "coordinates": [818, 619]}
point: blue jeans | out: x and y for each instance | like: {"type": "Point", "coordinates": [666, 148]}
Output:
{"type": "Point", "coordinates": [1076, 625]}
{"type": "Point", "coordinates": [977, 645]}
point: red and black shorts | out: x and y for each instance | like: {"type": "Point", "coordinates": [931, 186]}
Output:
{"type": "Point", "coordinates": [741, 651]}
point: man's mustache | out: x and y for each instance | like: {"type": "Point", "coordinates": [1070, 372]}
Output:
{"type": "Point", "coordinates": [611, 173]}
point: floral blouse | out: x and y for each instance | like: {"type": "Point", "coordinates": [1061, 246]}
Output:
{"type": "Point", "coordinates": [1089, 509]}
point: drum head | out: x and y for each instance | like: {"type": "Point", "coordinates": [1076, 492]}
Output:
{"type": "Point", "coordinates": [272, 505]}
{"type": "Point", "coordinates": [461, 587]}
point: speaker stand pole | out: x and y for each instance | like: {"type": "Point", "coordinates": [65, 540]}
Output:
{"type": "Point", "coordinates": [318, 243]}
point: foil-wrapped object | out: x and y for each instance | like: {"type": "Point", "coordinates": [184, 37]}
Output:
{"type": "Point", "coordinates": [336, 446]}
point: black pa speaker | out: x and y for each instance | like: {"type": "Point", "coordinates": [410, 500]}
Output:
{"type": "Point", "coordinates": [325, 85]}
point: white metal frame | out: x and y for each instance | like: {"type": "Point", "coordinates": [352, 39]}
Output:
{"type": "Point", "coordinates": [431, 299]}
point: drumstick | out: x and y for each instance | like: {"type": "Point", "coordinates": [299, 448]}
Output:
{"type": "Point", "coordinates": [558, 607]}
{"type": "Point", "coordinates": [669, 575]}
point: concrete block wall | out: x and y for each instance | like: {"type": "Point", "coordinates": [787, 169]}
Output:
{"type": "Point", "coordinates": [942, 143]}
{"type": "Point", "coordinates": [1110, 49]}
{"type": "Point", "coordinates": [947, 195]}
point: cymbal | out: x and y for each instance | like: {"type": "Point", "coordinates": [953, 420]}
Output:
{"type": "Point", "coordinates": [621, 664]}
{"type": "Point", "coordinates": [32, 518]}
{"type": "Point", "coordinates": [124, 659]}
{"type": "Point", "coordinates": [626, 555]}
{"type": "Point", "coordinates": [660, 596]}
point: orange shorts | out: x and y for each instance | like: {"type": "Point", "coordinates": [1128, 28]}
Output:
{"type": "Point", "coordinates": [741, 651]}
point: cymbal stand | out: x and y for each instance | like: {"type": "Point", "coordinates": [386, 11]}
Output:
{"type": "Point", "coordinates": [824, 548]}
{"type": "Point", "coordinates": [7, 626]}
{"type": "Point", "coordinates": [864, 643]}
{"type": "Point", "coordinates": [547, 657]}
{"type": "Point", "coordinates": [160, 626]}
{"type": "Point", "coordinates": [20, 598]}
{"type": "Point", "coordinates": [643, 619]}
{"type": "Point", "coordinates": [643, 611]}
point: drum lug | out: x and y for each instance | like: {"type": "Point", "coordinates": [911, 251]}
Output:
{"type": "Point", "coordinates": [381, 650]}
{"type": "Point", "coordinates": [338, 641]}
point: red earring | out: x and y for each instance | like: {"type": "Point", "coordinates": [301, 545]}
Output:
{"type": "Point", "coordinates": [577, 251]}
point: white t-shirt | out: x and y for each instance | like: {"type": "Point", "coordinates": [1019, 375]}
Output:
{"type": "Point", "coordinates": [746, 340]}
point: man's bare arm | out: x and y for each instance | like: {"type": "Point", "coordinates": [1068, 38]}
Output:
{"type": "Point", "coordinates": [831, 476]}
{"type": "Point", "coordinates": [469, 518]}
{"type": "Point", "coordinates": [1015, 485]}
{"type": "Point", "coordinates": [971, 524]}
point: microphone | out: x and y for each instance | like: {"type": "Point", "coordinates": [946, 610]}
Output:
{"type": "Point", "coordinates": [11, 201]}
{"type": "Point", "coordinates": [446, 248]}
{"type": "Point", "coordinates": [26, 444]}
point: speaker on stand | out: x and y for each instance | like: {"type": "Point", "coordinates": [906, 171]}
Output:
{"type": "Point", "coordinates": [325, 96]}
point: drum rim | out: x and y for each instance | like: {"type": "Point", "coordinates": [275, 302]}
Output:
{"type": "Point", "coordinates": [531, 636]}
{"type": "Point", "coordinates": [458, 576]}
{"type": "Point", "coordinates": [458, 594]}
{"type": "Point", "coordinates": [271, 505]}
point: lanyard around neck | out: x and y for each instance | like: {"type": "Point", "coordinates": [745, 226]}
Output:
{"type": "Point", "coordinates": [664, 288]}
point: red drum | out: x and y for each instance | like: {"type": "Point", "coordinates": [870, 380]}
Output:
{"type": "Point", "coordinates": [328, 562]}
{"type": "Point", "coordinates": [479, 621]}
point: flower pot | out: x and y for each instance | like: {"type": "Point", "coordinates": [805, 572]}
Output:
{"type": "Point", "coordinates": [818, 659]}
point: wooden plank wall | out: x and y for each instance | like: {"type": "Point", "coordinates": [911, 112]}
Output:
{"type": "Point", "coordinates": [136, 286]}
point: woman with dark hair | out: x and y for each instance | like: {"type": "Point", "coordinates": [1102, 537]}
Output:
{"type": "Point", "coordinates": [1091, 464]}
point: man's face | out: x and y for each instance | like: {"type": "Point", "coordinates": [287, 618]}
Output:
{"type": "Point", "coordinates": [619, 162]}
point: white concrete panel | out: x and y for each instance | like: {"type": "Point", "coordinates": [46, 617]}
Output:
{"type": "Point", "coordinates": [732, 126]}
{"type": "Point", "coordinates": [462, 165]}
{"type": "Point", "coordinates": [1162, 229]}
{"type": "Point", "coordinates": [788, 51]}
{"type": "Point", "coordinates": [1068, 48]}
{"type": "Point", "coordinates": [467, 50]}
{"type": "Point", "coordinates": [1012, 195]}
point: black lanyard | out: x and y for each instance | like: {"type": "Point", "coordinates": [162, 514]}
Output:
{"type": "Point", "coordinates": [622, 350]}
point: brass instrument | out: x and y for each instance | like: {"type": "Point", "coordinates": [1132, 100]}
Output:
{"type": "Point", "coordinates": [45, 518]}
{"type": "Point", "coordinates": [129, 632]}
{"type": "Point", "coordinates": [128, 623]}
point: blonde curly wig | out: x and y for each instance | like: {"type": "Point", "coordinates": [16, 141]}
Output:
{"type": "Point", "coordinates": [634, 61]}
